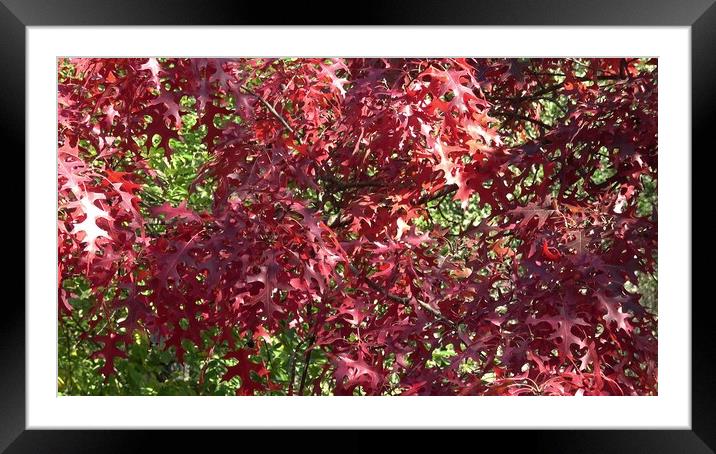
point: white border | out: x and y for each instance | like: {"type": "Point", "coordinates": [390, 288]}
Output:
{"type": "Point", "coordinates": [670, 409]}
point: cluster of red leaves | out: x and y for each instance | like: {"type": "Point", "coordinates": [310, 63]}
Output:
{"type": "Point", "coordinates": [319, 190]}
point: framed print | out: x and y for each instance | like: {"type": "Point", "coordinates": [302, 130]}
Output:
{"type": "Point", "coordinates": [427, 217]}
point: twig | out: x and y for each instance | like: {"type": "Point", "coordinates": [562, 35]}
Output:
{"type": "Point", "coordinates": [292, 367]}
{"type": "Point", "coordinates": [553, 101]}
{"type": "Point", "coordinates": [202, 371]}
{"type": "Point", "coordinates": [342, 221]}
{"type": "Point", "coordinates": [352, 184]}
{"type": "Point", "coordinates": [309, 352]}
{"type": "Point", "coordinates": [534, 95]}
{"type": "Point", "coordinates": [68, 343]}
{"type": "Point", "coordinates": [270, 108]}
{"type": "Point", "coordinates": [338, 222]}
{"type": "Point", "coordinates": [543, 126]}
{"type": "Point", "coordinates": [430, 197]}
{"type": "Point", "coordinates": [404, 300]}
{"type": "Point", "coordinates": [269, 355]}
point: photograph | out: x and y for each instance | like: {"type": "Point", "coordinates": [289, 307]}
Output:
{"type": "Point", "coordinates": [357, 226]}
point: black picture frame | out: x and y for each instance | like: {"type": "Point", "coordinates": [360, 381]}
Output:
{"type": "Point", "coordinates": [16, 15]}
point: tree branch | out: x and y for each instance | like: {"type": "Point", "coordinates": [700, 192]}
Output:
{"type": "Point", "coordinates": [536, 94]}
{"type": "Point", "coordinates": [341, 185]}
{"type": "Point", "coordinates": [404, 300]}
{"type": "Point", "coordinates": [270, 108]}
{"type": "Point", "coordinates": [340, 222]}
{"type": "Point", "coordinates": [543, 126]}
{"type": "Point", "coordinates": [436, 195]}
{"type": "Point", "coordinates": [309, 352]}
{"type": "Point", "coordinates": [292, 368]}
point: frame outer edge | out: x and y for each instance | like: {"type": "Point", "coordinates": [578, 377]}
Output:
{"type": "Point", "coordinates": [703, 75]}
{"type": "Point", "coordinates": [370, 12]}
{"type": "Point", "coordinates": [12, 321]}
{"type": "Point", "coordinates": [12, 117]}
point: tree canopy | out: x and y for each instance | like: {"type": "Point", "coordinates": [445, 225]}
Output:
{"type": "Point", "coordinates": [379, 226]}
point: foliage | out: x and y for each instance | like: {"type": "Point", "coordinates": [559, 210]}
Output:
{"type": "Point", "coordinates": [357, 226]}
